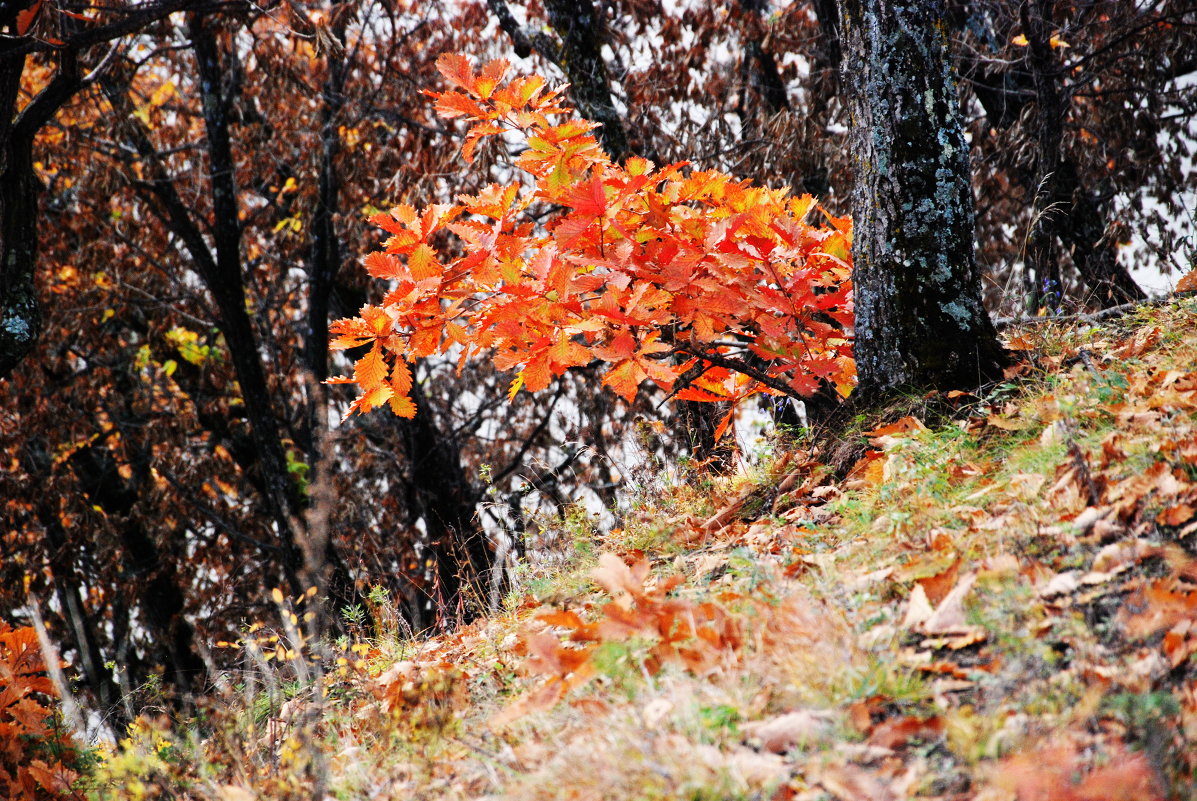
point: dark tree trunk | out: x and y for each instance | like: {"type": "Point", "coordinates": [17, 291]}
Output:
{"type": "Point", "coordinates": [919, 317]}
{"type": "Point", "coordinates": [220, 268]}
{"type": "Point", "coordinates": [1044, 284]}
{"type": "Point", "coordinates": [20, 312]}
{"type": "Point", "coordinates": [577, 23]}
{"type": "Point", "coordinates": [223, 277]}
{"type": "Point", "coordinates": [440, 492]}
{"type": "Point", "coordinates": [579, 55]}
{"type": "Point", "coordinates": [827, 56]}
{"type": "Point", "coordinates": [1084, 232]}
{"type": "Point", "coordinates": [324, 261]}
{"type": "Point", "coordinates": [151, 575]}
{"type": "Point", "coordinates": [70, 589]}
{"type": "Point", "coordinates": [1066, 212]}
{"type": "Point", "coordinates": [225, 281]}
{"type": "Point", "coordinates": [759, 64]}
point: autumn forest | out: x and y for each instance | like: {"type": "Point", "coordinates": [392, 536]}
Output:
{"type": "Point", "coordinates": [598, 399]}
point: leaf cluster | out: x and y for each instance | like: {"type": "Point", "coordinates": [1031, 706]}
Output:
{"type": "Point", "coordinates": [711, 288]}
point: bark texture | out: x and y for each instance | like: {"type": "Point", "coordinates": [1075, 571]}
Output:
{"type": "Point", "coordinates": [919, 317]}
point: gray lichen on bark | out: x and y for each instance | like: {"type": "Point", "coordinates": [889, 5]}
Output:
{"type": "Point", "coordinates": [919, 317]}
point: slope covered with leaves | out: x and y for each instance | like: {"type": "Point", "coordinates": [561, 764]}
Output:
{"type": "Point", "coordinates": [998, 600]}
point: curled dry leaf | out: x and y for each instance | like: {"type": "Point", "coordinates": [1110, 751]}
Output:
{"type": "Point", "coordinates": [1180, 643]}
{"type": "Point", "coordinates": [897, 732]}
{"type": "Point", "coordinates": [1061, 584]}
{"type": "Point", "coordinates": [1008, 424]}
{"type": "Point", "coordinates": [1144, 340]}
{"type": "Point", "coordinates": [1119, 556]}
{"type": "Point", "coordinates": [727, 514]}
{"type": "Point", "coordinates": [756, 768]}
{"type": "Point", "coordinates": [616, 577]}
{"type": "Point", "coordinates": [919, 609]}
{"type": "Point", "coordinates": [907, 425]}
{"type": "Point", "coordinates": [789, 731]}
{"type": "Point", "coordinates": [938, 586]}
{"type": "Point", "coordinates": [854, 783]}
{"type": "Point", "coordinates": [946, 622]}
{"type": "Point", "coordinates": [1090, 517]}
{"type": "Point", "coordinates": [1175, 515]}
{"type": "Point", "coordinates": [1158, 606]}
{"type": "Point", "coordinates": [949, 615]}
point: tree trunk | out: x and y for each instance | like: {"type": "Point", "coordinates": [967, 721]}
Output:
{"type": "Point", "coordinates": [20, 312]}
{"type": "Point", "coordinates": [1044, 284]}
{"type": "Point", "coordinates": [919, 317]}
{"type": "Point", "coordinates": [1064, 208]}
{"type": "Point", "coordinates": [440, 492]}
{"type": "Point", "coordinates": [577, 23]}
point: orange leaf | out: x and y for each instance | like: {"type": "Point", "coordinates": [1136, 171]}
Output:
{"type": "Point", "coordinates": [401, 377]}
{"type": "Point", "coordinates": [456, 69]}
{"type": "Point", "coordinates": [1187, 282]}
{"type": "Point", "coordinates": [615, 577]}
{"type": "Point", "coordinates": [723, 424]}
{"type": "Point", "coordinates": [423, 264]}
{"type": "Point", "coordinates": [384, 265]}
{"type": "Point", "coordinates": [370, 371]}
{"type": "Point", "coordinates": [26, 18]}
{"type": "Point", "coordinates": [624, 379]}
{"type": "Point", "coordinates": [403, 406]}
{"type": "Point", "coordinates": [536, 372]}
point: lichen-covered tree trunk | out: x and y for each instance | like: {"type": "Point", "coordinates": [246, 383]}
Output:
{"type": "Point", "coordinates": [919, 318]}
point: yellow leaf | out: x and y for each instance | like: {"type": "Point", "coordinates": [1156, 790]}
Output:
{"type": "Point", "coordinates": [370, 371]}
{"type": "Point", "coordinates": [516, 384]}
{"type": "Point", "coordinates": [423, 264]}
{"type": "Point", "coordinates": [403, 406]}
{"type": "Point", "coordinates": [162, 94]}
{"type": "Point", "coordinates": [1020, 40]}
{"type": "Point", "coordinates": [277, 595]}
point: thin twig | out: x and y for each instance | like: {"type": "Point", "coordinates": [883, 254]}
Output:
{"type": "Point", "coordinates": [70, 708]}
{"type": "Point", "coordinates": [1002, 323]}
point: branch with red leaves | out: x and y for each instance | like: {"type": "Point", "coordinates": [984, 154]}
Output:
{"type": "Point", "coordinates": [632, 265]}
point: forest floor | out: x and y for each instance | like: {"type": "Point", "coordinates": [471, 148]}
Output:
{"type": "Point", "coordinates": [998, 601]}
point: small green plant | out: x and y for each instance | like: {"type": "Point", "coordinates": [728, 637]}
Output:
{"type": "Point", "coordinates": [299, 470]}
{"type": "Point", "coordinates": [720, 719]}
{"type": "Point", "coordinates": [354, 615]}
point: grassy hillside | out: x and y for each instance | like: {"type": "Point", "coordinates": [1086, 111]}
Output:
{"type": "Point", "coordinates": [997, 600]}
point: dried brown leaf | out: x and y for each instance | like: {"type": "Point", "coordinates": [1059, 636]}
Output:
{"type": "Point", "coordinates": [791, 730]}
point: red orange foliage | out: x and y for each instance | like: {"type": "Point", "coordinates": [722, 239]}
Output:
{"type": "Point", "coordinates": [710, 287]}
{"type": "Point", "coordinates": [31, 750]}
